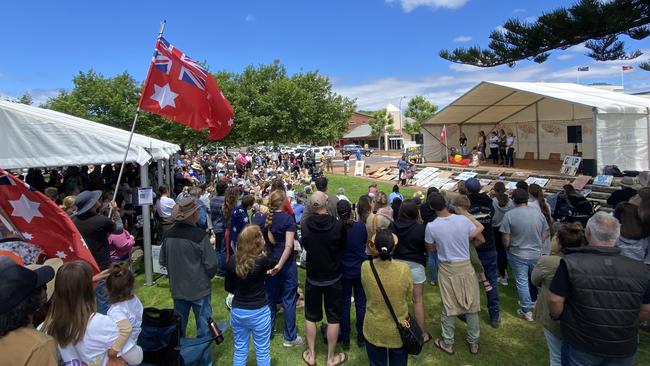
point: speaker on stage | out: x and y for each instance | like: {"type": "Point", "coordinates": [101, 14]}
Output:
{"type": "Point", "coordinates": [574, 134]}
{"type": "Point", "coordinates": [589, 167]}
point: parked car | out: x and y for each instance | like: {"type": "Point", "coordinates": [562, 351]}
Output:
{"type": "Point", "coordinates": [286, 149]}
{"type": "Point", "coordinates": [352, 149]}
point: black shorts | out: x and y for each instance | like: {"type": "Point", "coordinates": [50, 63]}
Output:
{"type": "Point", "coordinates": [316, 296]}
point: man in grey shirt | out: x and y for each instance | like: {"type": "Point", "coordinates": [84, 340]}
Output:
{"type": "Point", "coordinates": [191, 263]}
{"type": "Point", "coordinates": [524, 230]}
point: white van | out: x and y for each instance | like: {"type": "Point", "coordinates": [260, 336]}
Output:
{"type": "Point", "coordinates": [321, 150]}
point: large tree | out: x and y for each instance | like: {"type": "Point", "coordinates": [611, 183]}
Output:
{"type": "Point", "coordinates": [381, 122]}
{"type": "Point", "coordinates": [596, 23]}
{"type": "Point", "coordinates": [419, 109]}
{"type": "Point", "coordinates": [269, 106]}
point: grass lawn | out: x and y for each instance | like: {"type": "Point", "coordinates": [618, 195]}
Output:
{"type": "Point", "coordinates": [356, 186]}
{"type": "Point", "coordinates": [516, 342]}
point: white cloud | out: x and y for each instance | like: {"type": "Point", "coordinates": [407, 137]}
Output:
{"type": "Point", "coordinates": [462, 39]}
{"type": "Point", "coordinates": [409, 5]}
{"type": "Point", "coordinates": [39, 96]}
{"type": "Point", "coordinates": [519, 11]}
{"type": "Point", "coordinates": [250, 18]}
{"type": "Point", "coordinates": [442, 89]}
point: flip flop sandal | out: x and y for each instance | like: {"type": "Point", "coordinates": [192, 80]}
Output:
{"type": "Point", "coordinates": [304, 358]}
{"type": "Point", "coordinates": [473, 348]}
{"type": "Point", "coordinates": [438, 343]}
{"type": "Point", "coordinates": [429, 337]}
{"type": "Point", "coordinates": [487, 285]}
{"type": "Point", "coordinates": [343, 359]}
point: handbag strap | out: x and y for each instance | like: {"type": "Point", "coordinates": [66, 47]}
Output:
{"type": "Point", "coordinates": [383, 292]}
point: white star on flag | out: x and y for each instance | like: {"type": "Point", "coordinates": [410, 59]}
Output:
{"type": "Point", "coordinates": [28, 236]}
{"type": "Point", "coordinates": [164, 96]}
{"type": "Point", "coordinates": [61, 254]}
{"type": "Point", "coordinates": [231, 122]}
{"type": "Point", "coordinates": [25, 208]}
{"type": "Point", "coordinates": [71, 249]}
{"type": "Point", "coordinates": [245, 219]}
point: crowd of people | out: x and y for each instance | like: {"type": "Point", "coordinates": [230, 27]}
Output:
{"type": "Point", "coordinates": [242, 218]}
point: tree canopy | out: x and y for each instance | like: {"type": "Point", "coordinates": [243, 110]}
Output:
{"type": "Point", "coordinates": [269, 106]}
{"type": "Point", "coordinates": [419, 109]}
{"type": "Point", "coordinates": [381, 122]}
{"type": "Point", "coordinates": [596, 23]}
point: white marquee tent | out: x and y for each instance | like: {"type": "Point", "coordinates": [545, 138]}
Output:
{"type": "Point", "coordinates": [37, 137]}
{"type": "Point", "coordinates": [615, 126]}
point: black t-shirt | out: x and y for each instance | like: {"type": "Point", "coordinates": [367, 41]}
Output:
{"type": "Point", "coordinates": [561, 284]}
{"type": "Point", "coordinates": [249, 292]}
{"type": "Point", "coordinates": [95, 230]}
{"type": "Point", "coordinates": [411, 246]}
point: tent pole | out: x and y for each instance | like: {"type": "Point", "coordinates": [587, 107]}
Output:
{"type": "Point", "coordinates": [126, 153]}
{"type": "Point", "coordinates": [146, 227]}
{"type": "Point", "coordinates": [160, 166]}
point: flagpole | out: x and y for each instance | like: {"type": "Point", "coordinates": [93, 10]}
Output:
{"type": "Point", "coordinates": [128, 145]}
{"type": "Point", "coordinates": [446, 146]}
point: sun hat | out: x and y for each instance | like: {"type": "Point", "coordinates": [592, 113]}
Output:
{"type": "Point", "coordinates": [644, 178]}
{"type": "Point", "coordinates": [18, 282]}
{"type": "Point", "coordinates": [86, 200]}
{"type": "Point", "coordinates": [55, 264]}
{"type": "Point", "coordinates": [318, 200]}
{"type": "Point", "coordinates": [184, 209]}
{"type": "Point", "coordinates": [629, 182]}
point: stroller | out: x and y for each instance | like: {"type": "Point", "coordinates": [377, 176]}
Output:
{"type": "Point", "coordinates": [162, 344]}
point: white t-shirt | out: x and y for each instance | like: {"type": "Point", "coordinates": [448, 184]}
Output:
{"type": "Point", "coordinates": [165, 206]}
{"type": "Point", "coordinates": [510, 140]}
{"type": "Point", "coordinates": [92, 350]}
{"type": "Point", "coordinates": [451, 236]}
{"type": "Point", "coordinates": [130, 310]}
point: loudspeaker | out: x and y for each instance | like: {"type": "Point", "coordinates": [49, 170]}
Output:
{"type": "Point", "coordinates": [574, 134]}
{"type": "Point", "coordinates": [589, 167]}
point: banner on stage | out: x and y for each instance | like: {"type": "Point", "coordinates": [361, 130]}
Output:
{"type": "Point", "coordinates": [603, 180]}
{"type": "Point", "coordinates": [155, 256]}
{"type": "Point", "coordinates": [145, 196]}
{"type": "Point", "coordinates": [359, 167]}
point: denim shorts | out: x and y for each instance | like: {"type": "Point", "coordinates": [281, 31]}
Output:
{"type": "Point", "coordinates": [418, 274]}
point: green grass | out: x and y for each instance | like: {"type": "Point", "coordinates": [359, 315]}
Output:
{"type": "Point", "coordinates": [516, 342]}
{"type": "Point", "coordinates": [356, 186]}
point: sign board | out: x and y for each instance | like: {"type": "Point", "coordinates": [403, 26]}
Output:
{"type": "Point", "coordinates": [581, 181]}
{"type": "Point", "coordinates": [359, 167]}
{"type": "Point", "coordinates": [414, 152]}
{"type": "Point", "coordinates": [155, 256]}
{"type": "Point", "coordinates": [603, 180]}
{"type": "Point", "coordinates": [571, 164]}
{"type": "Point", "coordinates": [145, 196]}
{"type": "Point", "coordinates": [465, 176]}
{"type": "Point", "coordinates": [539, 181]}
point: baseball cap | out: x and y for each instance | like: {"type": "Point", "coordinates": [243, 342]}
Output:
{"type": "Point", "coordinates": [473, 185]}
{"type": "Point", "coordinates": [18, 282]}
{"type": "Point", "coordinates": [318, 200]}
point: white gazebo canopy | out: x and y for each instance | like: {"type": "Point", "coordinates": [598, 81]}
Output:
{"type": "Point", "coordinates": [37, 137]}
{"type": "Point", "coordinates": [615, 127]}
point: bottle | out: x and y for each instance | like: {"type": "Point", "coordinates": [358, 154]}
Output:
{"type": "Point", "coordinates": [217, 335]}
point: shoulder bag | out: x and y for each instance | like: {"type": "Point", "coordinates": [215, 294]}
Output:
{"type": "Point", "coordinates": [409, 330]}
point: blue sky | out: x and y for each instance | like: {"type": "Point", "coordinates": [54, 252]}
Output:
{"type": "Point", "coordinates": [374, 50]}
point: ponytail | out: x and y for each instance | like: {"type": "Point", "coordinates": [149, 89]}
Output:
{"type": "Point", "coordinates": [384, 242]}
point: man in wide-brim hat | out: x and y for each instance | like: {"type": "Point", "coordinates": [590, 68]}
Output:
{"type": "Point", "coordinates": [95, 229]}
{"type": "Point", "coordinates": [191, 262]}
{"type": "Point", "coordinates": [629, 187]}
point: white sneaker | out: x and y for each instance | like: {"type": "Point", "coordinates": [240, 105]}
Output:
{"type": "Point", "coordinates": [503, 281]}
{"type": "Point", "coordinates": [527, 316]}
{"type": "Point", "coordinates": [296, 342]}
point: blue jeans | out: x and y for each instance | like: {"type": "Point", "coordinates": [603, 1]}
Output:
{"type": "Point", "coordinates": [220, 248]}
{"type": "Point", "coordinates": [202, 311]}
{"type": "Point", "coordinates": [554, 348]}
{"type": "Point", "coordinates": [350, 284]}
{"type": "Point", "coordinates": [258, 322]}
{"type": "Point", "coordinates": [521, 270]}
{"type": "Point", "coordinates": [283, 287]}
{"type": "Point", "coordinates": [432, 265]}
{"type": "Point", "coordinates": [101, 298]}
{"type": "Point", "coordinates": [380, 356]}
{"type": "Point", "coordinates": [573, 357]}
{"type": "Point", "coordinates": [489, 262]}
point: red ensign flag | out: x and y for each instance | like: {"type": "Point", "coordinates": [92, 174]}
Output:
{"type": "Point", "coordinates": [41, 221]}
{"type": "Point", "coordinates": [180, 89]}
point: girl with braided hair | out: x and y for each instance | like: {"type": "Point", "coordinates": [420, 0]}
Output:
{"type": "Point", "coordinates": [279, 230]}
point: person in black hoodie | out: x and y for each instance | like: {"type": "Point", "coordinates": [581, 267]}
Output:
{"type": "Point", "coordinates": [412, 250]}
{"type": "Point", "coordinates": [324, 240]}
{"type": "Point", "coordinates": [428, 214]}
{"type": "Point", "coordinates": [482, 209]}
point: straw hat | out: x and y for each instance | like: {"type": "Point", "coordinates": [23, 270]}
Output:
{"type": "Point", "coordinates": [184, 209]}
{"type": "Point", "coordinates": [629, 182]}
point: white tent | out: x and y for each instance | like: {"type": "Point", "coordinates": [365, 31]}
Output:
{"type": "Point", "coordinates": [615, 126]}
{"type": "Point", "coordinates": [37, 137]}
